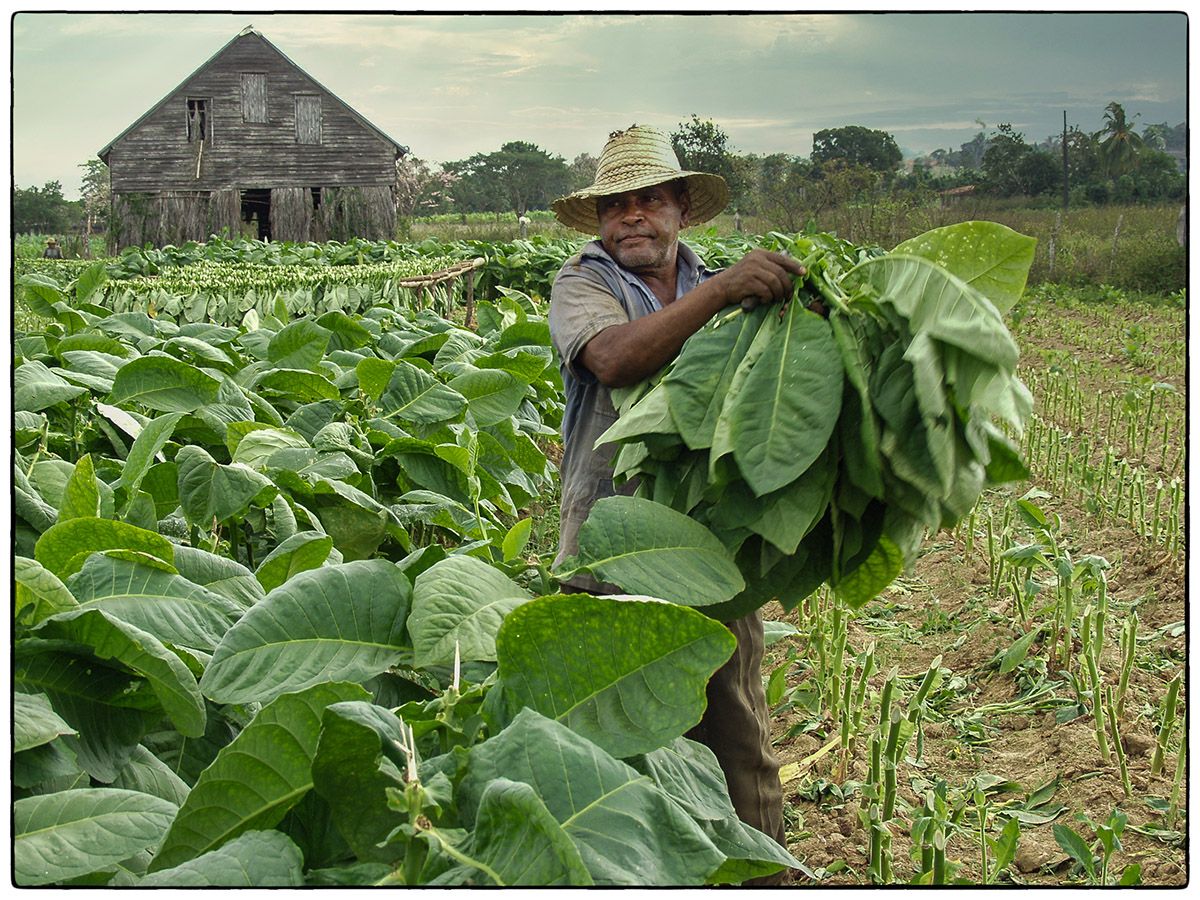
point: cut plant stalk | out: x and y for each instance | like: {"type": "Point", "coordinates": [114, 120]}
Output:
{"type": "Point", "coordinates": [1128, 653]}
{"type": "Point", "coordinates": [1166, 725]}
{"type": "Point", "coordinates": [1180, 768]}
{"type": "Point", "coordinates": [1118, 748]}
{"type": "Point", "coordinates": [1090, 652]}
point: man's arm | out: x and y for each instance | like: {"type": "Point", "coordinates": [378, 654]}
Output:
{"type": "Point", "coordinates": [625, 354]}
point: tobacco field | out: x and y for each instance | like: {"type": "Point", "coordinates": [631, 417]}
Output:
{"type": "Point", "coordinates": [284, 613]}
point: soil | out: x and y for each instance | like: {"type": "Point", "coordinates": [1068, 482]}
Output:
{"type": "Point", "coordinates": [945, 606]}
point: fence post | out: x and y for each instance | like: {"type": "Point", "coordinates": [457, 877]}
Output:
{"type": "Point", "coordinates": [1116, 234]}
{"type": "Point", "coordinates": [469, 278]}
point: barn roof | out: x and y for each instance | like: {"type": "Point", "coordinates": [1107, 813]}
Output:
{"type": "Point", "coordinates": [244, 33]}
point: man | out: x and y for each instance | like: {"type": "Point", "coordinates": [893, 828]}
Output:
{"type": "Point", "coordinates": [52, 251]}
{"type": "Point", "coordinates": [620, 310]}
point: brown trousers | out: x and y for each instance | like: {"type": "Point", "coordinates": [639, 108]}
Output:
{"type": "Point", "coordinates": [736, 727]}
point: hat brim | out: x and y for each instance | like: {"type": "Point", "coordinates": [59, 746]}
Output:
{"type": "Point", "coordinates": [708, 195]}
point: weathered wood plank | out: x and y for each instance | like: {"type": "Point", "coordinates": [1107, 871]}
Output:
{"type": "Point", "coordinates": [244, 153]}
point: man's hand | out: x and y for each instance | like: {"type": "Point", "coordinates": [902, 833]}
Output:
{"type": "Point", "coordinates": [759, 277]}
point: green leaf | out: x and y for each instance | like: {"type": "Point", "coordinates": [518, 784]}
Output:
{"type": "Point", "coordinates": [991, 257]}
{"type": "Point", "coordinates": [40, 293]}
{"type": "Point", "coordinates": [90, 280]}
{"type": "Point", "coordinates": [90, 368]}
{"type": "Point", "coordinates": [789, 403]}
{"type": "Point", "coordinates": [1131, 875]}
{"type": "Point", "coordinates": [299, 385]}
{"type": "Point", "coordinates": [356, 762]}
{"type": "Point", "coordinates": [875, 573]}
{"type": "Point", "coordinates": [146, 446]}
{"type": "Point", "coordinates": [690, 774]}
{"type": "Point", "coordinates": [492, 395]}
{"type": "Point", "coordinates": [256, 859]}
{"type": "Point", "coordinates": [460, 601]}
{"type": "Point", "coordinates": [148, 774]}
{"type": "Point", "coordinates": [1004, 849]}
{"type": "Point", "coordinates": [46, 769]}
{"type": "Point", "coordinates": [72, 833]}
{"type": "Point", "coordinates": [647, 548]}
{"type": "Point", "coordinates": [270, 762]}
{"type": "Point", "coordinates": [343, 622]}
{"type": "Point", "coordinates": [164, 384]}
{"type": "Point", "coordinates": [699, 382]}
{"type": "Point", "coordinates": [373, 376]}
{"type": "Point", "coordinates": [81, 496]}
{"type": "Point", "coordinates": [219, 574]}
{"type": "Point", "coordinates": [416, 396]}
{"type": "Point", "coordinates": [1016, 654]}
{"type": "Point", "coordinates": [63, 548]}
{"type": "Point", "coordinates": [517, 841]}
{"type": "Point", "coordinates": [39, 590]}
{"type": "Point", "coordinates": [774, 632]}
{"type": "Point", "coordinates": [34, 722]}
{"type": "Point", "coordinates": [1076, 848]}
{"type": "Point", "coordinates": [1004, 458]}
{"type": "Point", "coordinates": [938, 303]}
{"type": "Point", "coordinates": [649, 416]}
{"type": "Point", "coordinates": [99, 702]}
{"type": "Point", "coordinates": [516, 539]}
{"type": "Point", "coordinates": [628, 675]}
{"type": "Point", "coordinates": [627, 830]}
{"type": "Point", "coordinates": [170, 607]}
{"type": "Point", "coordinates": [298, 345]}
{"type": "Point", "coordinates": [302, 551]}
{"type": "Point", "coordinates": [256, 448]}
{"type": "Point", "coordinates": [209, 490]}
{"type": "Point", "coordinates": [35, 388]}
{"type": "Point", "coordinates": [139, 651]}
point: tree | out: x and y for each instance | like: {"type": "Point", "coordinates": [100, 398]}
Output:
{"type": "Point", "coordinates": [855, 145]}
{"type": "Point", "coordinates": [781, 190]}
{"type": "Point", "coordinates": [1039, 172]}
{"type": "Point", "coordinates": [96, 197]}
{"type": "Point", "coordinates": [42, 209]}
{"type": "Point", "coordinates": [702, 146]}
{"type": "Point", "coordinates": [970, 154]}
{"type": "Point", "coordinates": [582, 172]}
{"type": "Point", "coordinates": [420, 190]}
{"type": "Point", "coordinates": [519, 176]}
{"type": "Point", "coordinates": [1002, 161]}
{"type": "Point", "coordinates": [1119, 143]}
{"type": "Point", "coordinates": [1155, 136]}
{"type": "Point", "coordinates": [1158, 177]}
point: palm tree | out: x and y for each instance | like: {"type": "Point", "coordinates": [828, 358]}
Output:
{"type": "Point", "coordinates": [1121, 144]}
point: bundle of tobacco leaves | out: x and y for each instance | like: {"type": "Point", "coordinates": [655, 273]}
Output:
{"type": "Point", "coordinates": [820, 448]}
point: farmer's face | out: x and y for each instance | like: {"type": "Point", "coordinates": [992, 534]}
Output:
{"type": "Point", "coordinates": [640, 229]}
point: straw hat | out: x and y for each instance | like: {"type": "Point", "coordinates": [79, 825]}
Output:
{"type": "Point", "coordinates": [51, 240]}
{"type": "Point", "coordinates": [640, 157]}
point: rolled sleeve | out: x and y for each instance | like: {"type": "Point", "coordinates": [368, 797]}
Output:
{"type": "Point", "coordinates": [581, 306]}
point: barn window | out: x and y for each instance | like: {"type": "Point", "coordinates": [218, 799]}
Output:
{"type": "Point", "coordinates": [254, 97]}
{"type": "Point", "coordinates": [308, 119]}
{"type": "Point", "coordinates": [197, 120]}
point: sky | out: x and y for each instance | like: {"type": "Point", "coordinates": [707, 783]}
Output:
{"type": "Point", "coordinates": [451, 85]}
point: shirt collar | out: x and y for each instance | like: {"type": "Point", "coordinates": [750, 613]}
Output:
{"type": "Point", "coordinates": [689, 268]}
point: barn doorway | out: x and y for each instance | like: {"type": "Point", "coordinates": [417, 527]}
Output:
{"type": "Point", "coordinates": [256, 208]}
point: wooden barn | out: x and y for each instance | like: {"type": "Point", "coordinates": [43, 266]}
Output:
{"type": "Point", "coordinates": [251, 142]}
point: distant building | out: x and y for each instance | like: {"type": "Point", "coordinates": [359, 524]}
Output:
{"type": "Point", "coordinates": [249, 137]}
{"type": "Point", "coordinates": [956, 194]}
